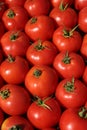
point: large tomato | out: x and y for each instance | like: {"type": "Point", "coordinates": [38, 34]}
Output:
{"type": "Point", "coordinates": [44, 113]}
{"type": "Point", "coordinates": [15, 43]}
{"type": "Point", "coordinates": [67, 39]}
{"type": "Point", "coordinates": [37, 7]}
{"type": "Point", "coordinates": [69, 64]}
{"type": "Point", "coordinates": [82, 19]}
{"type": "Point", "coordinates": [74, 119]}
{"type": "Point", "coordinates": [16, 123]}
{"type": "Point", "coordinates": [41, 53]}
{"type": "Point", "coordinates": [14, 99]}
{"type": "Point", "coordinates": [64, 16]}
{"type": "Point", "coordinates": [71, 93]}
{"type": "Point", "coordinates": [41, 80]}
{"type": "Point", "coordinates": [40, 27]}
{"type": "Point", "coordinates": [11, 3]}
{"type": "Point", "coordinates": [15, 17]}
{"type": "Point", "coordinates": [14, 70]}
{"type": "Point", "coordinates": [80, 4]}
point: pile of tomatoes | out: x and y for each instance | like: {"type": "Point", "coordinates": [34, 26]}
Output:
{"type": "Point", "coordinates": [43, 64]}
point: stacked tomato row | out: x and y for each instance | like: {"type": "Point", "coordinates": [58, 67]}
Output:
{"type": "Point", "coordinates": [43, 64]}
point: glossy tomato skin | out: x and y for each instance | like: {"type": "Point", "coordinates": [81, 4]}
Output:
{"type": "Point", "coordinates": [70, 120]}
{"type": "Point", "coordinates": [37, 7]}
{"type": "Point", "coordinates": [45, 117]}
{"type": "Point", "coordinates": [2, 116]}
{"type": "Point", "coordinates": [69, 65]}
{"type": "Point", "coordinates": [65, 39]}
{"type": "Point", "coordinates": [15, 43]}
{"type": "Point", "coordinates": [15, 95]}
{"type": "Point", "coordinates": [40, 27]}
{"type": "Point", "coordinates": [80, 4]}
{"type": "Point", "coordinates": [60, 16]}
{"type": "Point", "coordinates": [14, 70]}
{"type": "Point", "coordinates": [41, 53]}
{"type": "Point", "coordinates": [11, 3]}
{"type": "Point", "coordinates": [20, 121]}
{"type": "Point", "coordinates": [82, 19]}
{"type": "Point", "coordinates": [12, 17]}
{"type": "Point", "coordinates": [41, 80]}
{"type": "Point", "coordinates": [71, 93]}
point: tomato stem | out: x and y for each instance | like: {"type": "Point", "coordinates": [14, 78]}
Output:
{"type": "Point", "coordinates": [63, 7]}
{"type": "Point", "coordinates": [37, 73]}
{"type": "Point", "coordinates": [33, 20]}
{"type": "Point", "coordinates": [66, 58]}
{"type": "Point", "coordinates": [39, 46]}
{"type": "Point", "coordinates": [11, 14]}
{"type": "Point", "coordinates": [5, 93]}
{"type": "Point", "coordinates": [15, 127]}
{"type": "Point", "coordinates": [83, 113]}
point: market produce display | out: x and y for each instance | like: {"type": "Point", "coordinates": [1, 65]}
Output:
{"type": "Point", "coordinates": [43, 65]}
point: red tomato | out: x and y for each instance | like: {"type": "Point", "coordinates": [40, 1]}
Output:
{"type": "Point", "coordinates": [41, 80]}
{"type": "Point", "coordinates": [44, 113]}
{"type": "Point", "coordinates": [14, 70]}
{"type": "Point", "coordinates": [67, 39]}
{"type": "Point", "coordinates": [66, 17]}
{"type": "Point", "coordinates": [2, 8]}
{"type": "Point", "coordinates": [48, 129]}
{"type": "Point", "coordinates": [40, 27]}
{"type": "Point", "coordinates": [84, 76]}
{"type": "Point", "coordinates": [2, 30]}
{"type": "Point", "coordinates": [1, 117]}
{"type": "Point", "coordinates": [82, 19]}
{"type": "Point", "coordinates": [80, 4]}
{"type": "Point", "coordinates": [56, 3]}
{"type": "Point", "coordinates": [69, 65]}
{"type": "Point", "coordinates": [74, 119]}
{"type": "Point", "coordinates": [41, 53]}
{"type": "Point", "coordinates": [37, 7]}
{"type": "Point", "coordinates": [71, 93]}
{"type": "Point", "coordinates": [15, 18]}
{"type": "Point", "coordinates": [11, 3]}
{"type": "Point", "coordinates": [14, 99]}
{"type": "Point", "coordinates": [2, 82]}
{"type": "Point", "coordinates": [15, 43]}
{"type": "Point", "coordinates": [17, 123]}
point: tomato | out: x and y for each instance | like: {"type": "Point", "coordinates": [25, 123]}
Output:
{"type": "Point", "coordinates": [11, 96]}
{"type": "Point", "coordinates": [2, 8]}
{"type": "Point", "coordinates": [2, 30]}
{"type": "Point", "coordinates": [41, 53]}
{"type": "Point", "coordinates": [74, 119]}
{"type": "Point", "coordinates": [59, 14]}
{"type": "Point", "coordinates": [69, 64]}
{"type": "Point", "coordinates": [49, 129]}
{"type": "Point", "coordinates": [14, 70]}
{"type": "Point", "coordinates": [80, 4]}
{"type": "Point", "coordinates": [82, 19]}
{"type": "Point", "coordinates": [40, 27]}
{"type": "Point", "coordinates": [41, 80]}
{"type": "Point", "coordinates": [2, 82]}
{"type": "Point", "coordinates": [37, 7]}
{"type": "Point", "coordinates": [1, 116]}
{"type": "Point", "coordinates": [11, 3]}
{"type": "Point", "coordinates": [13, 16]}
{"type": "Point", "coordinates": [71, 93]}
{"type": "Point", "coordinates": [84, 76]}
{"type": "Point", "coordinates": [16, 122]}
{"type": "Point", "coordinates": [44, 113]}
{"type": "Point", "coordinates": [56, 3]}
{"type": "Point", "coordinates": [67, 39]}
{"type": "Point", "coordinates": [15, 43]}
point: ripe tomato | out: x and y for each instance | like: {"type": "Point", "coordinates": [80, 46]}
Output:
{"type": "Point", "coordinates": [63, 16]}
{"type": "Point", "coordinates": [44, 113]}
{"type": "Point", "coordinates": [16, 123]}
{"type": "Point", "coordinates": [11, 3]}
{"type": "Point", "coordinates": [2, 30]}
{"type": "Point", "coordinates": [14, 70]}
{"type": "Point", "coordinates": [1, 116]}
{"type": "Point", "coordinates": [13, 16]}
{"type": "Point", "coordinates": [37, 7]}
{"type": "Point", "coordinates": [69, 65]}
{"type": "Point", "coordinates": [11, 96]}
{"type": "Point", "coordinates": [67, 39]}
{"type": "Point", "coordinates": [82, 19]}
{"type": "Point", "coordinates": [74, 119]}
{"type": "Point", "coordinates": [80, 4]}
{"type": "Point", "coordinates": [40, 27]}
{"type": "Point", "coordinates": [15, 43]}
{"type": "Point", "coordinates": [71, 93]}
{"type": "Point", "coordinates": [2, 8]}
{"type": "Point", "coordinates": [41, 53]}
{"type": "Point", "coordinates": [84, 76]}
{"type": "Point", "coordinates": [41, 80]}
{"type": "Point", "coordinates": [2, 82]}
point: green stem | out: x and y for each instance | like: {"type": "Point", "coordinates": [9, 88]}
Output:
{"type": "Point", "coordinates": [83, 113]}
{"type": "Point", "coordinates": [11, 14]}
{"type": "Point", "coordinates": [39, 46]}
{"type": "Point", "coordinates": [66, 58]}
{"type": "Point", "coordinates": [5, 93]}
{"type": "Point", "coordinates": [11, 59]}
{"type": "Point", "coordinates": [63, 7]}
{"type": "Point", "coordinates": [37, 73]}
{"type": "Point", "coordinates": [33, 20]}
{"type": "Point", "coordinates": [15, 127]}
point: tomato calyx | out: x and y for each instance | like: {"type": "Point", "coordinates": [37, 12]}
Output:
{"type": "Point", "coordinates": [33, 20]}
{"type": "Point", "coordinates": [5, 93]}
{"type": "Point", "coordinates": [15, 127]}
{"type": "Point", "coordinates": [11, 14]}
{"type": "Point", "coordinates": [83, 113]}
{"type": "Point", "coordinates": [37, 73]}
{"type": "Point", "coordinates": [10, 59]}
{"type": "Point", "coordinates": [14, 36]}
{"type": "Point", "coordinates": [66, 58]}
{"type": "Point", "coordinates": [63, 7]}
{"type": "Point", "coordinates": [69, 86]}
{"type": "Point", "coordinates": [39, 46]}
